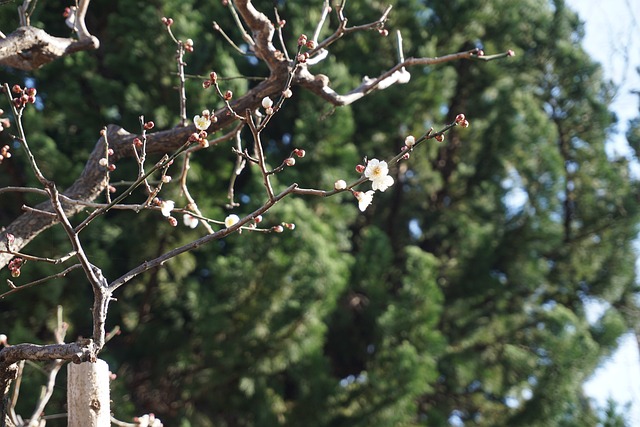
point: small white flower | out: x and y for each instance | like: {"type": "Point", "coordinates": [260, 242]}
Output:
{"type": "Point", "coordinates": [378, 172]}
{"type": "Point", "coordinates": [410, 141]}
{"type": "Point", "coordinates": [190, 221]}
{"type": "Point", "coordinates": [202, 122]}
{"type": "Point", "coordinates": [340, 184]}
{"type": "Point", "coordinates": [267, 102]}
{"type": "Point", "coordinates": [166, 206]}
{"type": "Point", "coordinates": [103, 162]}
{"type": "Point", "coordinates": [287, 93]}
{"type": "Point", "coordinates": [231, 220]}
{"type": "Point", "coordinates": [364, 199]}
{"type": "Point", "coordinates": [166, 179]}
{"type": "Point", "coordinates": [148, 420]}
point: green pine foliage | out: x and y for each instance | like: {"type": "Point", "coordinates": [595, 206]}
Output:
{"type": "Point", "coordinates": [461, 293]}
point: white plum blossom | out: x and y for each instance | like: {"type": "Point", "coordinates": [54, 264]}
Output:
{"type": "Point", "coordinates": [231, 220]}
{"type": "Point", "coordinates": [190, 221]}
{"type": "Point", "coordinates": [340, 184]}
{"type": "Point", "coordinates": [364, 199]}
{"type": "Point", "coordinates": [166, 206]}
{"type": "Point", "coordinates": [148, 420]}
{"type": "Point", "coordinates": [287, 93]}
{"type": "Point", "coordinates": [202, 122]}
{"type": "Point", "coordinates": [378, 172]}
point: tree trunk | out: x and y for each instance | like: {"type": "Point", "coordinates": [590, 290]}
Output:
{"type": "Point", "coordinates": [88, 394]}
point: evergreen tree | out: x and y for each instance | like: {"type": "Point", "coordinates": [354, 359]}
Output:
{"type": "Point", "coordinates": [460, 294]}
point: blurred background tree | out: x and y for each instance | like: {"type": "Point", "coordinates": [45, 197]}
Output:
{"type": "Point", "coordinates": [459, 296]}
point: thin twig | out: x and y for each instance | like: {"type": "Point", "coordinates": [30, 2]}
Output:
{"type": "Point", "coordinates": [39, 281]}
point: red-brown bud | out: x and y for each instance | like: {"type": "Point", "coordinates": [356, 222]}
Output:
{"type": "Point", "coordinates": [149, 125]}
{"type": "Point", "coordinates": [360, 168]}
{"type": "Point", "coordinates": [228, 95]}
{"type": "Point", "coordinates": [16, 89]}
{"type": "Point", "coordinates": [299, 152]}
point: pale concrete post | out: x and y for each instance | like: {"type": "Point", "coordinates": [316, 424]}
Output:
{"type": "Point", "coordinates": [88, 394]}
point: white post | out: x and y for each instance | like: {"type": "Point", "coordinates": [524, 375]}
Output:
{"type": "Point", "coordinates": [88, 394]}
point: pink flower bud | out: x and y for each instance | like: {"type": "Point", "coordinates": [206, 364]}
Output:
{"type": "Point", "coordinates": [310, 44]}
{"type": "Point", "coordinates": [137, 142]}
{"type": "Point", "coordinates": [228, 95]}
{"type": "Point", "coordinates": [149, 125]}
{"type": "Point", "coordinates": [290, 161]}
{"type": "Point", "coordinates": [172, 221]}
{"type": "Point", "coordinates": [439, 138]}
{"type": "Point", "coordinates": [213, 76]}
{"type": "Point", "coordinates": [360, 168]}
{"type": "Point", "coordinates": [302, 40]}
{"type": "Point", "coordinates": [16, 89]}
{"type": "Point", "coordinates": [277, 229]}
{"type": "Point", "coordinates": [258, 219]}
{"type": "Point", "coordinates": [299, 152]}
{"type": "Point", "coordinates": [383, 32]}
{"type": "Point", "coordinates": [459, 118]}
{"type": "Point", "coordinates": [206, 84]}
{"type": "Point", "coordinates": [111, 167]}
{"type": "Point", "coordinates": [511, 53]}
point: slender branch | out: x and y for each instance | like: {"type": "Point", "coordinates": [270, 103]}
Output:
{"type": "Point", "coordinates": [397, 74]}
{"type": "Point", "coordinates": [147, 265]}
{"type": "Point", "coordinates": [260, 154]}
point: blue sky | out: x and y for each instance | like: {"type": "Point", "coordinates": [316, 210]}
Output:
{"type": "Point", "coordinates": [613, 39]}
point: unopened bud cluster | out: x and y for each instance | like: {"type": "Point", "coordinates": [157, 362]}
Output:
{"type": "Point", "coordinates": [25, 96]}
{"type": "Point", "coordinates": [4, 153]}
{"type": "Point", "coordinates": [213, 80]}
{"type": "Point", "coordinates": [462, 121]}
{"type": "Point", "coordinates": [4, 122]}
{"type": "Point", "coordinates": [14, 266]}
{"type": "Point", "coordinates": [309, 44]}
{"type": "Point", "coordinates": [188, 45]}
